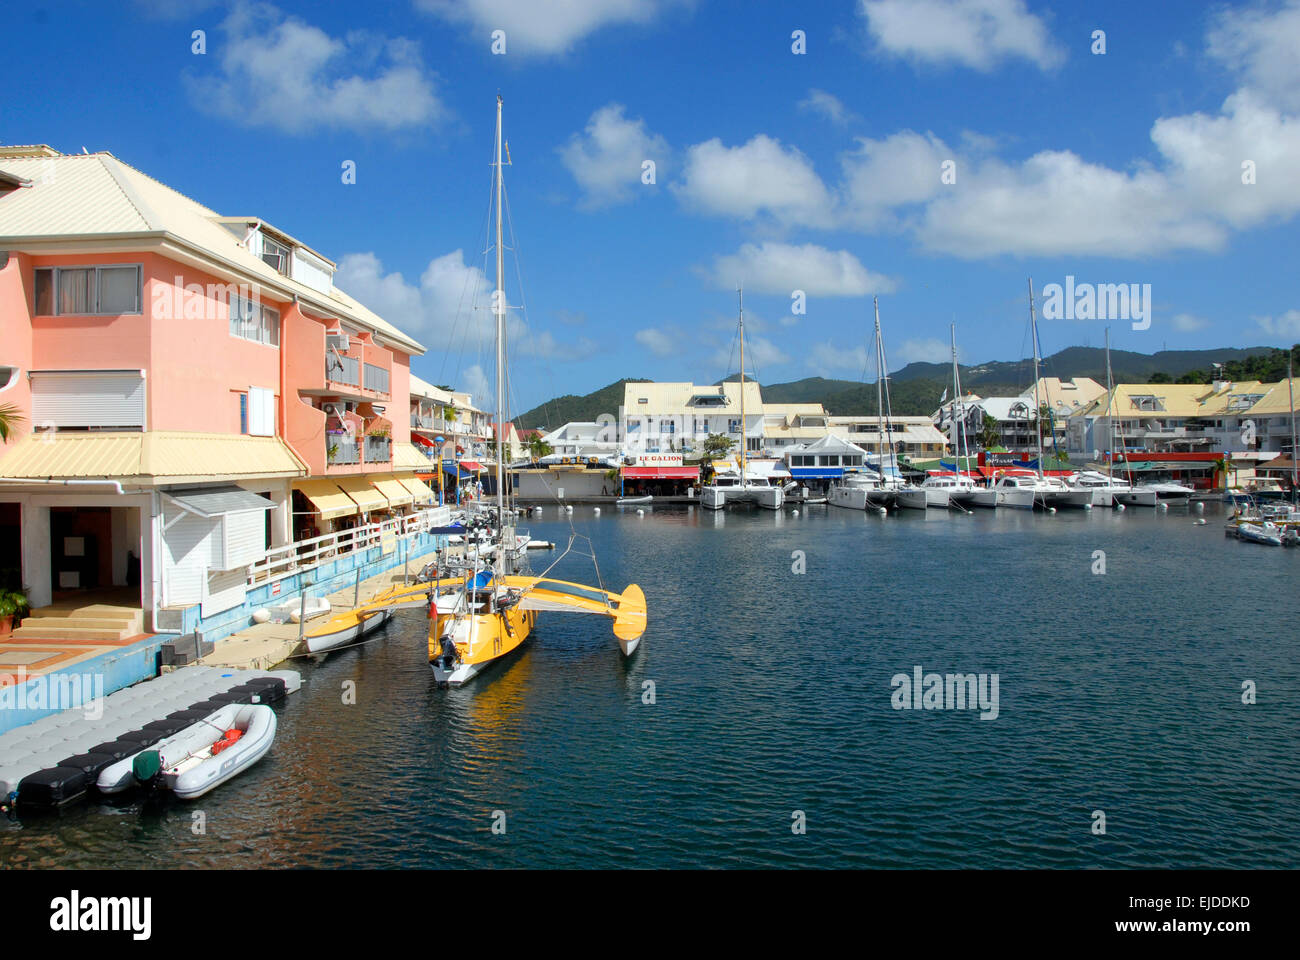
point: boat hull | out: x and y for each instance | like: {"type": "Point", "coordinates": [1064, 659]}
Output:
{"type": "Point", "coordinates": [188, 779]}
{"type": "Point", "coordinates": [462, 647]}
{"type": "Point", "coordinates": [352, 628]}
{"type": "Point", "coordinates": [1016, 498]}
{"type": "Point", "coordinates": [984, 498]}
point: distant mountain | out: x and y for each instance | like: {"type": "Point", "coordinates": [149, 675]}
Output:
{"type": "Point", "coordinates": [916, 388]}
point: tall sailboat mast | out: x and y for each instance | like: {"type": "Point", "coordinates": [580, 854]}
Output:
{"type": "Point", "coordinates": [1110, 421]}
{"type": "Point", "coordinates": [499, 303]}
{"type": "Point", "coordinates": [740, 292]}
{"type": "Point", "coordinates": [1038, 421]}
{"type": "Point", "coordinates": [958, 423]}
{"type": "Point", "coordinates": [880, 396]}
{"type": "Point", "coordinates": [1290, 392]}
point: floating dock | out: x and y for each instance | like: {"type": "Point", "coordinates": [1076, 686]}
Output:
{"type": "Point", "coordinates": [57, 758]}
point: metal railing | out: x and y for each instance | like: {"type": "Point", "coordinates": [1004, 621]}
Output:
{"type": "Point", "coordinates": [342, 451]}
{"type": "Point", "coordinates": [305, 555]}
{"type": "Point", "coordinates": [341, 369]}
{"type": "Point", "coordinates": [378, 449]}
{"type": "Point", "coordinates": [376, 378]}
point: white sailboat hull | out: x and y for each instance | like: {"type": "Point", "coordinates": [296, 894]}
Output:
{"type": "Point", "coordinates": [1137, 498]}
{"type": "Point", "coordinates": [716, 498]}
{"type": "Point", "coordinates": [1018, 498]}
{"type": "Point", "coordinates": [326, 642]}
{"type": "Point", "coordinates": [984, 498]}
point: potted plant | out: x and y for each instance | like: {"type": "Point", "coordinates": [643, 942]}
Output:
{"type": "Point", "coordinates": [13, 607]}
{"type": "Point", "coordinates": [380, 432]}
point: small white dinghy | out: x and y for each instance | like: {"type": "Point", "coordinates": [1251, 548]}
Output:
{"type": "Point", "coordinates": [347, 626]}
{"type": "Point", "coordinates": [292, 610]}
{"type": "Point", "coordinates": [202, 756]}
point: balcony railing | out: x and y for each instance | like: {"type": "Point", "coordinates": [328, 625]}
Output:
{"type": "Point", "coordinates": [342, 451]}
{"type": "Point", "coordinates": [343, 370]}
{"type": "Point", "coordinates": [378, 449]}
{"type": "Point", "coordinates": [307, 554]}
{"type": "Point", "coordinates": [376, 378]}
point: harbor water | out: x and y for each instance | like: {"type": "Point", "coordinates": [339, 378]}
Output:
{"type": "Point", "coordinates": [758, 725]}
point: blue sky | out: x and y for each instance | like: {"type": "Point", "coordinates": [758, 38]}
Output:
{"type": "Point", "coordinates": [818, 171]}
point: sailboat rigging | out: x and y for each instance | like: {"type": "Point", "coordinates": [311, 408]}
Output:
{"type": "Point", "coordinates": [493, 610]}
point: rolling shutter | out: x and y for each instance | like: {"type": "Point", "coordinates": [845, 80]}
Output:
{"type": "Point", "coordinates": [88, 398]}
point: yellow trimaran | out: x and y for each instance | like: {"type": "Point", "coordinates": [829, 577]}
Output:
{"type": "Point", "coordinates": [491, 613]}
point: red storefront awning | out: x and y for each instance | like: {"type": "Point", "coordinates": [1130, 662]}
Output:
{"type": "Point", "coordinates": [471, 465]}
{"type": "Point", "coordinates": [661, 473]}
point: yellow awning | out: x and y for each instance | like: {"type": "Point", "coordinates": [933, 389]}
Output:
{"type": "Point", "coordinates": [366, 496]}
{"type": "Point", "coordinates": [406, 457]}
{"type": "Point", "coordinates": [394, 492]}
{"type": "Point", "coordinates": [326, 497]}
{"type": "Point", "coordinates": [418, 488]}
{"type": "Point", "coordinates": [153, 457]}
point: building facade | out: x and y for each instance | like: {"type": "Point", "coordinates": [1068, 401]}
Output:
{"type": "Point", "coordinates": [195, 392]}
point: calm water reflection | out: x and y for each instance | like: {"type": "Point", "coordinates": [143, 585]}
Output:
{"type": "Point", "coordinates": [1118, 692]}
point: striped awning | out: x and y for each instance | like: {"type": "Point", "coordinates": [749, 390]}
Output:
{"type": "Point", "coordinates": [327, 498]}
{"type": "Point", "coordinates": [393, 490]}
{"type": "Point", "coordinates": [363, 493]}
{"type": "Point", "coordinates": [418, 488]}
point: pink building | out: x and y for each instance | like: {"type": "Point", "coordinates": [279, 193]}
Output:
{"type": "Point", "coordinates": [194, 390]}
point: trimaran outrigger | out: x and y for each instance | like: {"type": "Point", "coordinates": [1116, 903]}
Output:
{"type": "Point", "coordinates": [492, 611]}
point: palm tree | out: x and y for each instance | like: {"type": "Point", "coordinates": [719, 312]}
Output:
{"type": "Point", "coordinates": [989, 435]}
{"type": "Point", "coordinates": [538, 447]}
{"type": "Point", "coordinates": [10, 417]}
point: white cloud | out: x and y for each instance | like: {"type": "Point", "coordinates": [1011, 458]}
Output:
{"type": "Point", "coordinates": [826, 105]}
{"type": "Point", "coordinates": [782, 268]}
{"type": "Point", "coordinates": [440, 311]}
{"type": "Point", "coordinates": [606, 159]}
{"type": "Point", "coordinates": [450, 309]}
{"type": "Point", "coordinates": [281, 73]}
{"type": "Point", "coordinates": [759, 178]}
{"type": "Point", "coordinates": [897, 171]}
{"type": "Point", "coordinates": [475, 382]}
{"type": "Point", "coordinates": [546, 28]}
{"type": "Point", "coordinates": [658, 342]}
{"type": "Point", "coordinates": [1260, 45]}
{"type": "Point", "coordinates": [925, 350]}
{"type": "Point", "coordinates": [973, 33]}
{"type": "Point", "coordinates": [1287, 325]}
{"type": "Point", "coordinates": [1188, 323]}
{"type": "Point", "coordinates": [829, 358]}
{"type": "Point", "coordinates": [760, 355]}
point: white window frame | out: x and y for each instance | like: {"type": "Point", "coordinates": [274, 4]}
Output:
{"type": "Point", "coordinates": [97, 268]}
{"type": "Point", "coordinates": [282, 250]}
{"type": "Point", "coordinates": [258, 318]}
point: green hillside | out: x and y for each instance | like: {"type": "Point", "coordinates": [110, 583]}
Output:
{"type": "Point", "coordinates": [916, 388]}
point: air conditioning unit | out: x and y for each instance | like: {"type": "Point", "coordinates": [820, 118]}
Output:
{"type": "Point", "coordinates": [337, 341]}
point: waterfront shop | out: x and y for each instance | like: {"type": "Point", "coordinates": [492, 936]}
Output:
{"type": "Point", "coordinates": [658, 474]}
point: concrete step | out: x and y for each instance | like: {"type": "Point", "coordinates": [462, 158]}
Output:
{"type": "Point", "coordinates": [41, 631]}
{"type": "Point", "coordinates": [82, 623]}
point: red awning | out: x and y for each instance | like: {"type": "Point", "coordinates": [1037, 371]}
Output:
{"type": "Point", "coordinates": [423, 441]}
{"type": "Point", "coordinates": [661, 473]}
{"type": "Point", "coordinates": [471, 465]}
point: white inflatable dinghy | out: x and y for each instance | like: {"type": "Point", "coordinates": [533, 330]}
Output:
{"type": "Point", "coordinates": [200, 757]}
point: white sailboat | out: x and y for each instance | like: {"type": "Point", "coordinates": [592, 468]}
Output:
{"type": "Point", "coordinates": [492, 612]}
{"type": "Point", "coordinates": [1103, 488]}
{"type": "Point", "coordinates": [881, 487]}
{"type": "Point", "coordinates": [1048, 492]}
{"type": "Point", "coordinates": [742, 486]}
